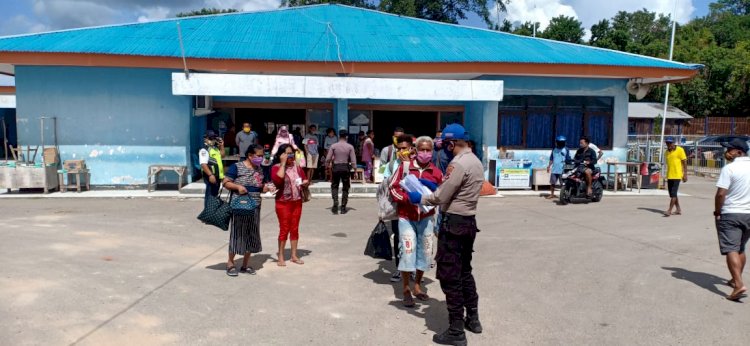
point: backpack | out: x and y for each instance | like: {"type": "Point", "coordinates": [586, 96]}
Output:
{"type": "Point", "coordinates": [387, 208]}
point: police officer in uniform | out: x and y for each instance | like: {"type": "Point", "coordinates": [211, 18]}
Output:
{"type": "Point", "coordinates": [457, 198]}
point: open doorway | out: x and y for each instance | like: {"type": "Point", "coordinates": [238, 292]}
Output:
{"type": "Point", "coordinates": [266, 122]}
{"type": "Point", "coordinates": [417, 123]}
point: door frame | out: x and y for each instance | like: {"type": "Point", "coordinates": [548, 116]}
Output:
{"type": "Point", "coordinates": [411, 108]}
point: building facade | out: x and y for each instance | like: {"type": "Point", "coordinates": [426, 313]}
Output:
{"type": "Point", "coordinates": [124, 97]}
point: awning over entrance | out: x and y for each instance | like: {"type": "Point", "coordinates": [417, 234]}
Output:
{"type": "Point", "coordinates": [8, 101]}
{"type": "Point", "coordinates": [249, 85]}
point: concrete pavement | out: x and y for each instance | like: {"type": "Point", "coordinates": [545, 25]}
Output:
{"type": "Point", "coordinates": [144, 271]}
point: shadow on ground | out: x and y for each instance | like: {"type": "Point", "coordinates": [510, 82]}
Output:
{"type": "Point", "coordinates": [256, 262]}
{"type": "Point", "coordinates": [653, 210]}
{"type": "Point", "coordinates": [433, 311]}
{"type": "Point", "coordinates": [703, 280]}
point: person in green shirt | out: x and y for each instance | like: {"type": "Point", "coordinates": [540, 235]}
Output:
{"type": "Point", "coordinates": [676, 173]}
{"type": "Point", "coordinates": [210, 159]}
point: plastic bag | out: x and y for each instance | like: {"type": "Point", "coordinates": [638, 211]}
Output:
{"type": "Point", "coordinates": [379, 243]}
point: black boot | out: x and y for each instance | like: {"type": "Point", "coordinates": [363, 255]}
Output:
{"type": "Point", "coordinates": [452, 336]}
{"type": "Point", "coordinates": [344, 201]}
{"type": "Point", "coordinates": [472, 323]}
{"type": "Point", "coordinates": [335, 195]}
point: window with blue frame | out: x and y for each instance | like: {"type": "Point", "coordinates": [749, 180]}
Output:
{"type": "Point", "coordinates": [533, 122]}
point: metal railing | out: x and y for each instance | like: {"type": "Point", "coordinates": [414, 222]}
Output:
{"type": "Point", "coordinates": [705, 155]}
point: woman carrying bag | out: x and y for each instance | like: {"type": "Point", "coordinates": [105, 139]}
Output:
{"type": "Point", "coordinates": [245, 180]}
{"type": "Point", "coordinates": [290, 180]}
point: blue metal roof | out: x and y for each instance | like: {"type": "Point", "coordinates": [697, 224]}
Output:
{"type": "Point", "coordinates": [322, 33]}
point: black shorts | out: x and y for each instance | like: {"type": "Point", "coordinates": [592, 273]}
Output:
{"type": "Point", "coordinates": [673, 185]}
{"type": "Point", "coordinates": [734, 232]}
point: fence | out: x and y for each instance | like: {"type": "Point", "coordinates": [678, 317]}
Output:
{"type": "Point", "coordinates": [708, 126]}
{"type": "Point", "coordinates": [705, 156]}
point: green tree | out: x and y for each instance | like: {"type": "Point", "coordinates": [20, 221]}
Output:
{"type": "Point", "coordinates": [357, 3]}
{"type": "Point", "coordinates": [525, 29]}
{"type": "Point", "coordinates": [721, 42]}
{"type": "Point", "coordinates": [400, 7]}
{"type": "Point", "coordinates": [506, 26]}
{"type": "Point", "coordinates": [205, 12]}
{"type": "Point", "coordinates": [736, 7]}
{"type": "Point", "coordinates": [564, 28]}
{"type": "Point", "coordinates": [448, 11]}
{"type": "Point", "coordinates": [602, 35]}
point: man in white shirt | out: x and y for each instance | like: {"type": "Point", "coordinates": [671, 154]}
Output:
{"type": "Point", "coordinates": [599, 152]}
{"type": "Point", "coordinates": [732, 212]}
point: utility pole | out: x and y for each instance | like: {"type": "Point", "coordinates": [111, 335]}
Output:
{"type": "Point", "coordinates": [666, 97]}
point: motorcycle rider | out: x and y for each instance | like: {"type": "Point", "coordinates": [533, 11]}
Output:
{"type": "Point", "coordinates": [587, 157]}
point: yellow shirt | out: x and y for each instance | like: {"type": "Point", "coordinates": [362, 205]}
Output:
{"type": "Point", "coordinates": [674, 163]}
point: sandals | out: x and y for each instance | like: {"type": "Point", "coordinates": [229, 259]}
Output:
{"type": "Point", "coordinates": [247, 270]}
{"type": "Point", "coordinates": [422, 296]}
{"type": "Point", "coordinates": [232, 271]}
{"type": "Point", "coordinates": [737, 295]}
{"type": "Point", "coordinates": [298, 261]}
{"type": "Point", "coordinates": [408, 300]}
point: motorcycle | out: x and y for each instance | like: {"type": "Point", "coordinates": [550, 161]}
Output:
{"type": "Point", "coordinates": [574, 184]}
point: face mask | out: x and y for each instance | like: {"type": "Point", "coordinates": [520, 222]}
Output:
{"type": "Point", "coordinates": [246, 129]}
{"type": "Point", "coordinates": [404, 153]}
{"type": "Point", "coordinates": [395, 140]}
{"type": "Point", "coordinates": [448, 149]}
{"type": "Point", "coordinates": [256, 161]}
{"type": "Point", "coordinates": [209, 143]}
{"type": "Point", "coordinates": [424, 157]}
{"type": "Point", "coordinates": [728, 156]}
{"type": "Point", "coordinates": [290, 161]}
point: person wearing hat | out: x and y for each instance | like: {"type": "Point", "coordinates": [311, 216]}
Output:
{"type": "Point", "coordinates": [732, 212]}
{"type": "Point", "coordinates": [210, 159]}
{"type": "Point", "coordinates": [341, 158]}
{"type": "Point", "coordinates": [557, 158]}
{"type": "Point", "coordinates": [457, 197]}
{"type": "Point", "coordinates": [676, 172]}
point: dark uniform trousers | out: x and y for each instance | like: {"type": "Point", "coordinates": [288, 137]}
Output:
{"type": "Point", "coordinates": [341, 174]}
{"type": "Point", "coordinates": [454, 253]}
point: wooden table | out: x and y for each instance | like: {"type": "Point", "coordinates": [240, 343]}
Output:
{"type": "Point", "coordinates": [631, 169]}
{"type": "Point", "coordinates": [154, 170]}
{"type": "Point", "coordinates": [80, 174]}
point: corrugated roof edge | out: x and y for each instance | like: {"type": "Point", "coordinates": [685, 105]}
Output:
{"type": "Point", "coordinates": [301, 8]}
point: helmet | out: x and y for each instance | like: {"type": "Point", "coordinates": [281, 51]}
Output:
{"type": "Point", "coordinates": [560, 139]}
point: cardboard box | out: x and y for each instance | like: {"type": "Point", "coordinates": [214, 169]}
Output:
{"type": "Point", "coordinates": [72, 165]}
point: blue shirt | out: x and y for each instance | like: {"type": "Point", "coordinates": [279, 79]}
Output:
{"type": "Point", "coordinates": [558, 157]}
{"type": "Point", "coordinates": [440, 159]}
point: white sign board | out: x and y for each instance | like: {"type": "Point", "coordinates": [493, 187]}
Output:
{"type": "Point", "coordinates": [249, 85]}
{"type": "Point", "coordinates": [8, 101]}
{"type": "Point", "coordinates": [513, 178]}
